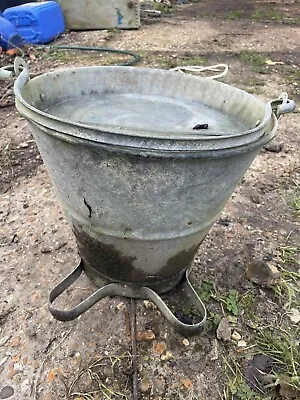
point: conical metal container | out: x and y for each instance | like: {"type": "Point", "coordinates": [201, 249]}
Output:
{"type": "Point", "coordinates": [143, 162]}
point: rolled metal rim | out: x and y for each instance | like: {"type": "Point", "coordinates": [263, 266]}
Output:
{"type": "Point", "coordinates": [145, 140]}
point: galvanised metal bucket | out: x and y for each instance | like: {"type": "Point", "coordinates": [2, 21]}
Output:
{"type": "Point", "coordinates": [140, 185]}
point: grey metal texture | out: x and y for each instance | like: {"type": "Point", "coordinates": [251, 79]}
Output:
{"type": "Point", "coordinates": [141, 202]}
{"type": "Point", "coordinates": [114, 289]}
{"type": "Point", "coordinates": [139, 186]}
{"type": "Point", "coordinates": [101, 14]}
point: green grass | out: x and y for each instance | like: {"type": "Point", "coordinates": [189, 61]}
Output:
{"type": "Point", "coordinates": [98, 379]}
{"type": "Point", "coordinates": [234, 14]}
{"type": "Point", "coordinates": [231, 301]}
{"type": "Point", "coordinates": [236, 386]}
{"type": "Point", "coordinates": [247, 304]}
{"type": "Point", "coordinates": [288, 254]}
{"type": "Point", "coordinates": [206, 291]}
{"type": "Point", "coordinates": [254, 82]}
{"type": "Point", "coordinates": [270, 14]}
{"type": "Point", "coordinates": [163, 8]}
{"type": "Point", "coordinates": [296, 204]}
{"type": "Point", "coordinates": [253, 58]}
{"type": "Point", "coordinates": [282, 345]}
{"type": "Point", "coordinates": [81, 57]}
{"type": "Point", "coordinates": [267, 14]}
{"type": "Point", "coordinates": [171, 62]}
{"type": "Point", "coordinates": [288, 290]}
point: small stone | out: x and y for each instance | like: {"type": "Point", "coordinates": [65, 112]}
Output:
{"type": "Point", "coordinates": [46, 250]}
{"type": "Point", "coordinates": [187, 383]}
{"type": "Point", "coordinates": [149, 304]}
{"type": "Point", "coordinates": [6, 392]}
{"type": "Point", "coordinates": [35, 364]}
{"type": "Point", "coordinates": [121, 306]}
{"type": "Point", "coordinates": [24, 145]}
{"type": "Point", "coordinates": [224, 331]}
{"type": "Point", "coordinates": [15, 341]}
{"type": "Point", "coordinates": [294, 315]}
{"type": "Point", "coordinates": [274, 147]}
{"type": "Point", "coordinates": [255, 198]}
{"type": "Point", "coordinates": [263, 363]}
{"type": "Point", "coordinates": [242, 343]}
{"type": "Point", "coordinates": [236, 336]}
{"type": "Point", "coordinates": [11, 374]}
{"type": "Point", "coordinates": [185, 342]}
{"type": "Point", "coordinates": [262, 273]}
{"type": "Point", "coordinates": [145, 336]}
{"type": "Point", "coordinates": [167, 357]}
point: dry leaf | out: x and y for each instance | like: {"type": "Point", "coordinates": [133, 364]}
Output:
{"type": "Point", "coordinates": [187, 383]}
{"type": "Point", "coordinates": [145, 336]}
{"type": "Point", "coordinates": [16, 358]}
{"type": "Point", "coordinates": [270, 62]}
{"type": "Point", "coordinates": [35, 297]}
{"type": "Point", "coordinates": [159, 347]}
{"type": "Point", "coordinates": [12, 373]}
{"type": "Point", "coordinates": [121, 306]}
{"type": "Point", "coordinates": [51, 375]}
{"type": "Point", "coordinates": [15, 341]}
{"type": "Point", "coordinates": [13, 52]}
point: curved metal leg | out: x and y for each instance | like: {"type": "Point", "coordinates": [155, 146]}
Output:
{"type": "Point", "coordinates": [114, 289]}
{"type": "Point", "coordinates": [107, 290]}
{"type": "Point", "coordinates": [180, 327]}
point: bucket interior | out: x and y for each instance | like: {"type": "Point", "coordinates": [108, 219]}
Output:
{"type": "Point", "coordinates": [144, 99]}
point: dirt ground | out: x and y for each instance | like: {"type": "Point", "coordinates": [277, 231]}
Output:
{"type": "Point", "coordinates": [45, 359]}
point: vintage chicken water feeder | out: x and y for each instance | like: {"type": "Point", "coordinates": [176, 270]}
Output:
{"type": "Point", "coordinates": [140, 187]}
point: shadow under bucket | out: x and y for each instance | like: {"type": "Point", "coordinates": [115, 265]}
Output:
{"type": "Point", "coordinates": [139, 185]}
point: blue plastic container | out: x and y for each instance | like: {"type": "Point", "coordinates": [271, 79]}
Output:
{"type": "Point", "coordinates": [37, 23]}
{"type": "Point", "coordinates": [9, 37]}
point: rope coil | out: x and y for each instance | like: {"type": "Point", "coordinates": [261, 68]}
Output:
{"type": "Point", "coordinates": [199, 69]}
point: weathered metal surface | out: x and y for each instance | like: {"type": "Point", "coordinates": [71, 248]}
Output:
{"type": "Point", "coordinates": [142, 199]}
{"type": "Point", "coordinates": [115, 289]}
{"type": "Point", "coordinates": [101, 14]}
{"type": "Point", "coordinates": [140, 187]}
